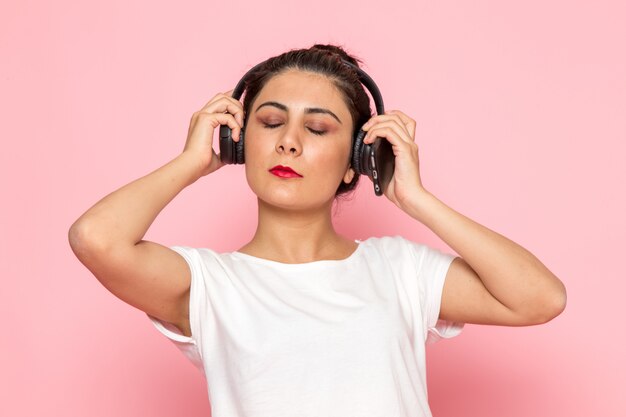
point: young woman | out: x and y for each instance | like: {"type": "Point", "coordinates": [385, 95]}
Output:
{"type": "Point", "coordinates": [302, 321]}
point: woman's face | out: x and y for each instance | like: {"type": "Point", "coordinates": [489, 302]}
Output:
{"type": "Point", "coordinates": [298, 120]}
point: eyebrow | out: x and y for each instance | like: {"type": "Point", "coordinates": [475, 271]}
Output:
{"type": "Point", "coordinates": [308, 110]}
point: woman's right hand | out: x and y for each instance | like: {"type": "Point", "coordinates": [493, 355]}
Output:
{"type": "Point", "coordinates": [222, 109]}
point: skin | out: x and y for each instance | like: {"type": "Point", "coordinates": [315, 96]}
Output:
{"type": "Point", "coordinates": [493, 281]}
{"type": "Point", "coordinates": [295, 214]}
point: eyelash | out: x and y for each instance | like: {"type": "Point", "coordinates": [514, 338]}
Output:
{"type": "Point", "coordinates": [315, 132]}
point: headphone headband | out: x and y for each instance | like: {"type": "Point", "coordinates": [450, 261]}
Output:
{"type": "Point", "coordinates": [375, 160]}
{"type": "Point", "coordinates": [364, 78]}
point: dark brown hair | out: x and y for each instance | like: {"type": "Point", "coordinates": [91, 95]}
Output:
{"type": "Point", "coordinates": [325, 60]}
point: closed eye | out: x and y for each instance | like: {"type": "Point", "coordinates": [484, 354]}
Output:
{"type": "Point", "coordinates": [274, 126]}
{"type": "Point", "coordinates": [317, 132]}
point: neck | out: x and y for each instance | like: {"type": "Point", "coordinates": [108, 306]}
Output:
{"type": "Point", "coordinates": [296, 236]}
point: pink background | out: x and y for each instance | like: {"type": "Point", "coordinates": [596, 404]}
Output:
{"type": "Point", "coordinates": [521, 125]}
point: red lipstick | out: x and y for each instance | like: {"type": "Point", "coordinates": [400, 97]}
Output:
{"type": "Point", "coordinates": [284, 172]}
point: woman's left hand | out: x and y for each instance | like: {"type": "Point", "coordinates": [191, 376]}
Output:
{"type": "Point", "coordinates": [405, 188]}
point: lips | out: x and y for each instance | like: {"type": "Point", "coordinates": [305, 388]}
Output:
{"type": "Point", "coordinates": [284, 172]}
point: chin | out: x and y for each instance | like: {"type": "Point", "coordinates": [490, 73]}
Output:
{"type": "Point", "coordinates": [289, 198]}
{"type": "Point", "coordinates": [292, 194]}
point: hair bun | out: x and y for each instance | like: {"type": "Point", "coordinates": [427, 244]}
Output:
{"type": "Point", "coordinates": [338, 50]}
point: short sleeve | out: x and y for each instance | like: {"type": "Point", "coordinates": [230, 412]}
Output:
{"type": "Point", "coordinates": [188, 345]}
{"type": "Point", "coordinates": [432, 266]}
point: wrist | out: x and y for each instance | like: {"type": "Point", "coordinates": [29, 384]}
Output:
{"type": "Point", "coordinates": [420, 204]}
{"type": "Point", "coordinates": [191, 165]}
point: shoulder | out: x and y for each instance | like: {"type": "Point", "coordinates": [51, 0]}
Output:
{"type": "Point", "coordinates": [197, 251]}
{"type": "Point", "coordinates": [399, 248]}
{"type": "Point", "coordinates": [200, 258]}
{"type": "Point", "coordinates": [394, 249]}
{"type": "Point", "coordinates": [389, 243]}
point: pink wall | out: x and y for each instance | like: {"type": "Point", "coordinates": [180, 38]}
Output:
{"type": "Point", "coordinates": [521, 125]}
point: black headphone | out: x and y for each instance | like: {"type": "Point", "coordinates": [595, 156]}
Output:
{"type": "Point", "coordinates": [376, 160]}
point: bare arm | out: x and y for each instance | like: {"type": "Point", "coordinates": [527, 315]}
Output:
{"type": "Point", "coordinates": [107, 238]}
{"type": "Point", "coordinates": [495, 280]}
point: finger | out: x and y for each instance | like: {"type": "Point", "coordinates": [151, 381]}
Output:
{"type": "Point", "coordinates": [216, 119]}
{"type": "Point", "coordinates": [228, 105]}
{"type": "Point", "coordinates": [372, 121]}
{"type": "Point", "coordinates": [393, 135]}
{"type": "Point", "coordinates": [408, 122]}
{"type": "Point", "coordinates": [236, 111]}
{"type": "Point", "coordinates": [394, 126]}
{"type": "Point", "coordinates": [381, 118]}
{"type": "Point", "coordinates": [398, 145]}
{"type": "Point", "coordinates": [222, 96]}
{"type": "Point", "coordinates": [398, 119]}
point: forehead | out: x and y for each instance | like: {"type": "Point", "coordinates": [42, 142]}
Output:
{"type": "Point", "coordinates": [297, 88]}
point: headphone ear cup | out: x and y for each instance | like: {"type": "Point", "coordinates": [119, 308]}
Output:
{"type": "Point", "coordinates": [227, 153]}
{"type": "Point", "coordinates": [231, 152]}
{"type": "Point", "coordinates": [357, 148]}
{"type": "Point", "coordinates": [239, 149]}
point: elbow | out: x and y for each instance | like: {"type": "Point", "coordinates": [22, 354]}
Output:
{"type": "Point", "coordinates": [79, 242]}
{"type": "Point", "coordinates": [559, 300]}
{"type": "Point", "coordinates": [84, 241]}
{"type": "Point", "coordinates": [551, 306]}
{"type": "Point", "coordinates": [75, 236]}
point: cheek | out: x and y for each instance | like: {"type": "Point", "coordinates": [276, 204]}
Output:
{"type": "Point", "coordinates": [254, 147]}
{"type": "Point", "coordinates": [254, 161]}
{"type": "Point", "coordinates": [333, 160]}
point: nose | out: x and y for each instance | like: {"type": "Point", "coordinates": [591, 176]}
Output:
{"type": "Point", "coordinates": [289, 141]}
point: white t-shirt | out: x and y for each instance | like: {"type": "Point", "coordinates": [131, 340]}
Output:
{"type": "Point", "coordinates": [325, 338]}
